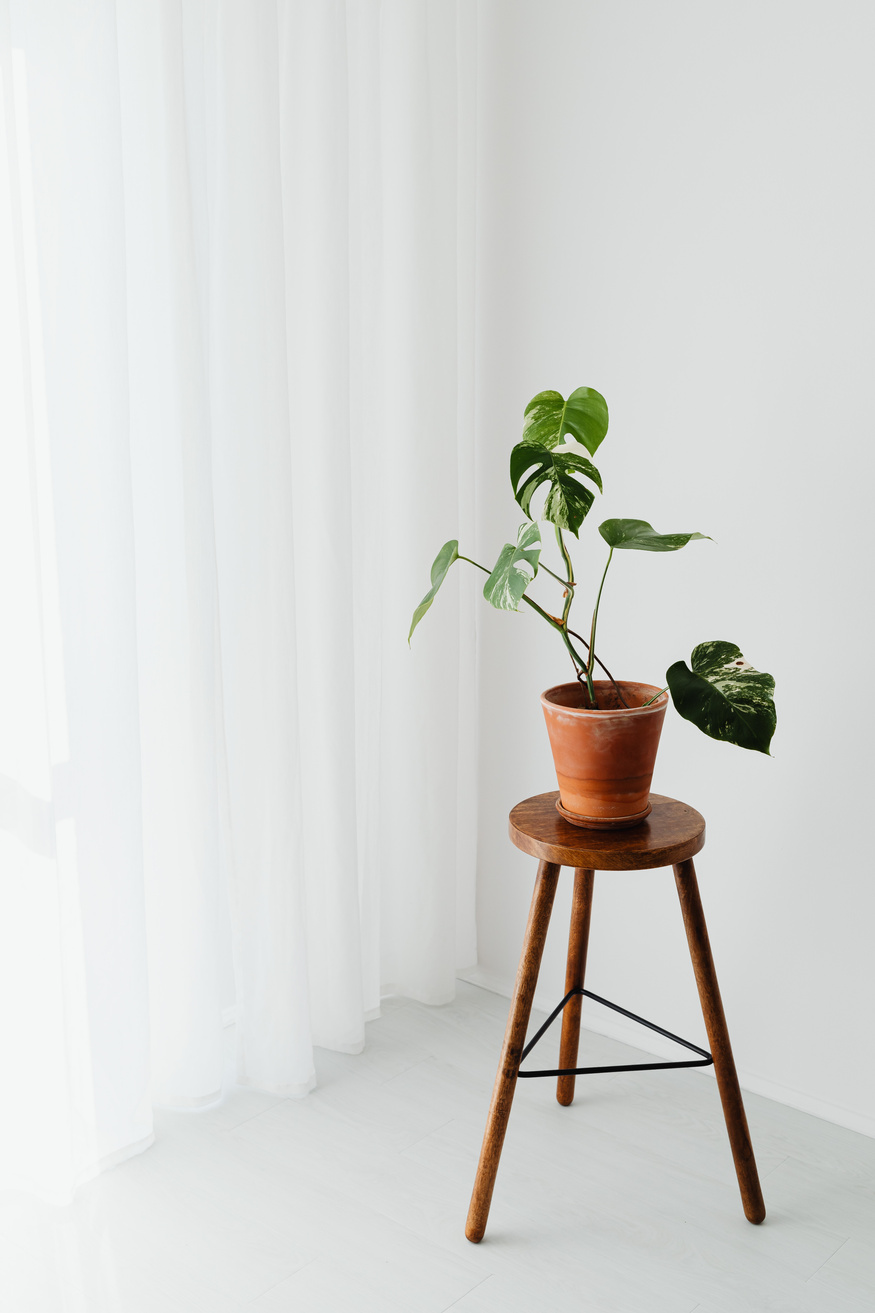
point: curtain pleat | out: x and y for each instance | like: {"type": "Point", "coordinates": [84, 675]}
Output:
{"type": "Point", "coordinates": [238, 242]}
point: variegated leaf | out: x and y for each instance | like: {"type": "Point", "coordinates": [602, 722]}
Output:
{"type": "Point", "coordinates": [514, 570]}
{"type": "Point", "coordinates": [442, 562]}
{"type": "Point", "coordinates": [724, 696]}
{"type": "Point", "coordinates": [550, 418]}
{"type": "Point", "coordinates": [640, 536]}
{"type": "Point", "coordinates": [568, 500]}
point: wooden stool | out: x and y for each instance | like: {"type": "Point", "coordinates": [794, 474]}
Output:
{"type": "Point", "coordinates": [671, 836]}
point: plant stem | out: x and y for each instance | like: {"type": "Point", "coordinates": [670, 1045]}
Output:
{"type": "Point", "coordinates": [477, 563]}
{"type": "Point", "coordinates": [655, 696]}
{"type": "Point", "coordinates": [547, 570]}
{"type": "Point", "coordinates": [551, 619]}
{"type": "Point", "coordinates": [569, 570]}
{"type": "Point", "coordinates": [595, 616]}
{"type": "Point", "coordinates": [601, 663]}
{"type": "Point", "coordinates": [562, 629]}
{"type": "Point", "coordinates": [579, 664]}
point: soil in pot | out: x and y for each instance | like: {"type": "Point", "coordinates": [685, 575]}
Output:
{"type": "Point", "coordinates": [604, 759]}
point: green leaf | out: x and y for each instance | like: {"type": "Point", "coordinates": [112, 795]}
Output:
{"type": "Point", "coordinates": [568, 500]}
{"type": "Point", "coordinates": [549, 418]}
{"type": "Point", "coordinates": [507, 583]}
{"type": "Point", "coordinates": [724, 696]}
{"type": "Point", "coordinates": [640, 536]}
{"type": "Point", "coordinates": [442, 562]}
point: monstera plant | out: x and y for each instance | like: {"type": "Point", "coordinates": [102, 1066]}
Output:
{"type": "Point", "coordinates": [719, 691]}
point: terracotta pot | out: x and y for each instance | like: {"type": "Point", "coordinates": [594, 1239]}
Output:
{"type": "Point", "coordinates": [604, 759]}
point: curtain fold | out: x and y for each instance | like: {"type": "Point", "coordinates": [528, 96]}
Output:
{"type": "Point", "coordinates": [236, 244]}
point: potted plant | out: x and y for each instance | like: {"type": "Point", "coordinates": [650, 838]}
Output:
{"type": "Point", "coordinates": [604, 732]}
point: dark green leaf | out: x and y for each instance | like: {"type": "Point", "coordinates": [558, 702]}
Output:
{"type": "Point", "coordinates": [442, 562]}
{"type": "Point", "coordinates": [508, 581]}
{"type": "Point", "coordinates": [724, 696]}
{"type": "Point", "coordinates": [549, 418]}
{"type": "Point", "coordinates": [640, 536]}
{"type": "Point", "coordinates": [568, 500]}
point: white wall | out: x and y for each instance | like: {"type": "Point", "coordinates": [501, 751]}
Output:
{"type": "Point", "coordinates": [676, 207]}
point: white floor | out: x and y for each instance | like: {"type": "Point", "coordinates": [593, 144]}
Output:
{"type": "Point", "coordinates": [355, 1198]}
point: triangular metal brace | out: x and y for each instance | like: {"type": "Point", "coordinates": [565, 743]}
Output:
{"type": "Point", "coordinates": [704, 1061]}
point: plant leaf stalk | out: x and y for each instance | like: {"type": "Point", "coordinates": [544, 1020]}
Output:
{"type": "Point", "coordinates": [603, 667]}
{"type": "Point", "coordinates": [582, 665]}
{"type": "Point", "coordinates": [558, 577]}
{"type": "Point", "coordinates": [579, 661]}
{"type": "Point", "coordinates": [595, 616]}
{"type": "Point", "coordinates": [569, 570]}
{"type": "Point", "coordinates": [566, 610]}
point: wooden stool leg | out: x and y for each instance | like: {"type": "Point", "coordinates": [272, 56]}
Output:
{"type": "Point", "coordinates": [578, 938]}
{"type": "Point", "coordinates": [514, 1042]}
{"type": "Point", "coordinates": [718, 1038]}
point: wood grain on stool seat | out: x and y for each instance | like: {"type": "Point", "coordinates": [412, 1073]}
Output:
{"type": "Point", "coordinates": [672, 833]}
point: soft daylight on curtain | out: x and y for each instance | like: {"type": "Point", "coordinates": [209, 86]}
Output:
{"type": "Point", "coordinates": [236, 310]}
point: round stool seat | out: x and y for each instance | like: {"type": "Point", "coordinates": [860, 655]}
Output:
{"type": "Point", "coordinates": [672, 833]}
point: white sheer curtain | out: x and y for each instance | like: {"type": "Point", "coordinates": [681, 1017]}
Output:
{"type": "Point", "coordinates": [236, 245]}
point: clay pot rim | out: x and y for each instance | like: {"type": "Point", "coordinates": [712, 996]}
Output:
{"type": "Point", "coordinates": [657, 706]}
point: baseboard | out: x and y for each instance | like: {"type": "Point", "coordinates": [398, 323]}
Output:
{"type": "Point", "coordinates": [628, 1033]}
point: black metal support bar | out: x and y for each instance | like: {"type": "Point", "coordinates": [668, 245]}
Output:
{"type": "Point", "coordinates": [705, 1060]}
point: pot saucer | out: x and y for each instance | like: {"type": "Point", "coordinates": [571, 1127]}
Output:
{"type": "Point", "coordinates": [604, 822]}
